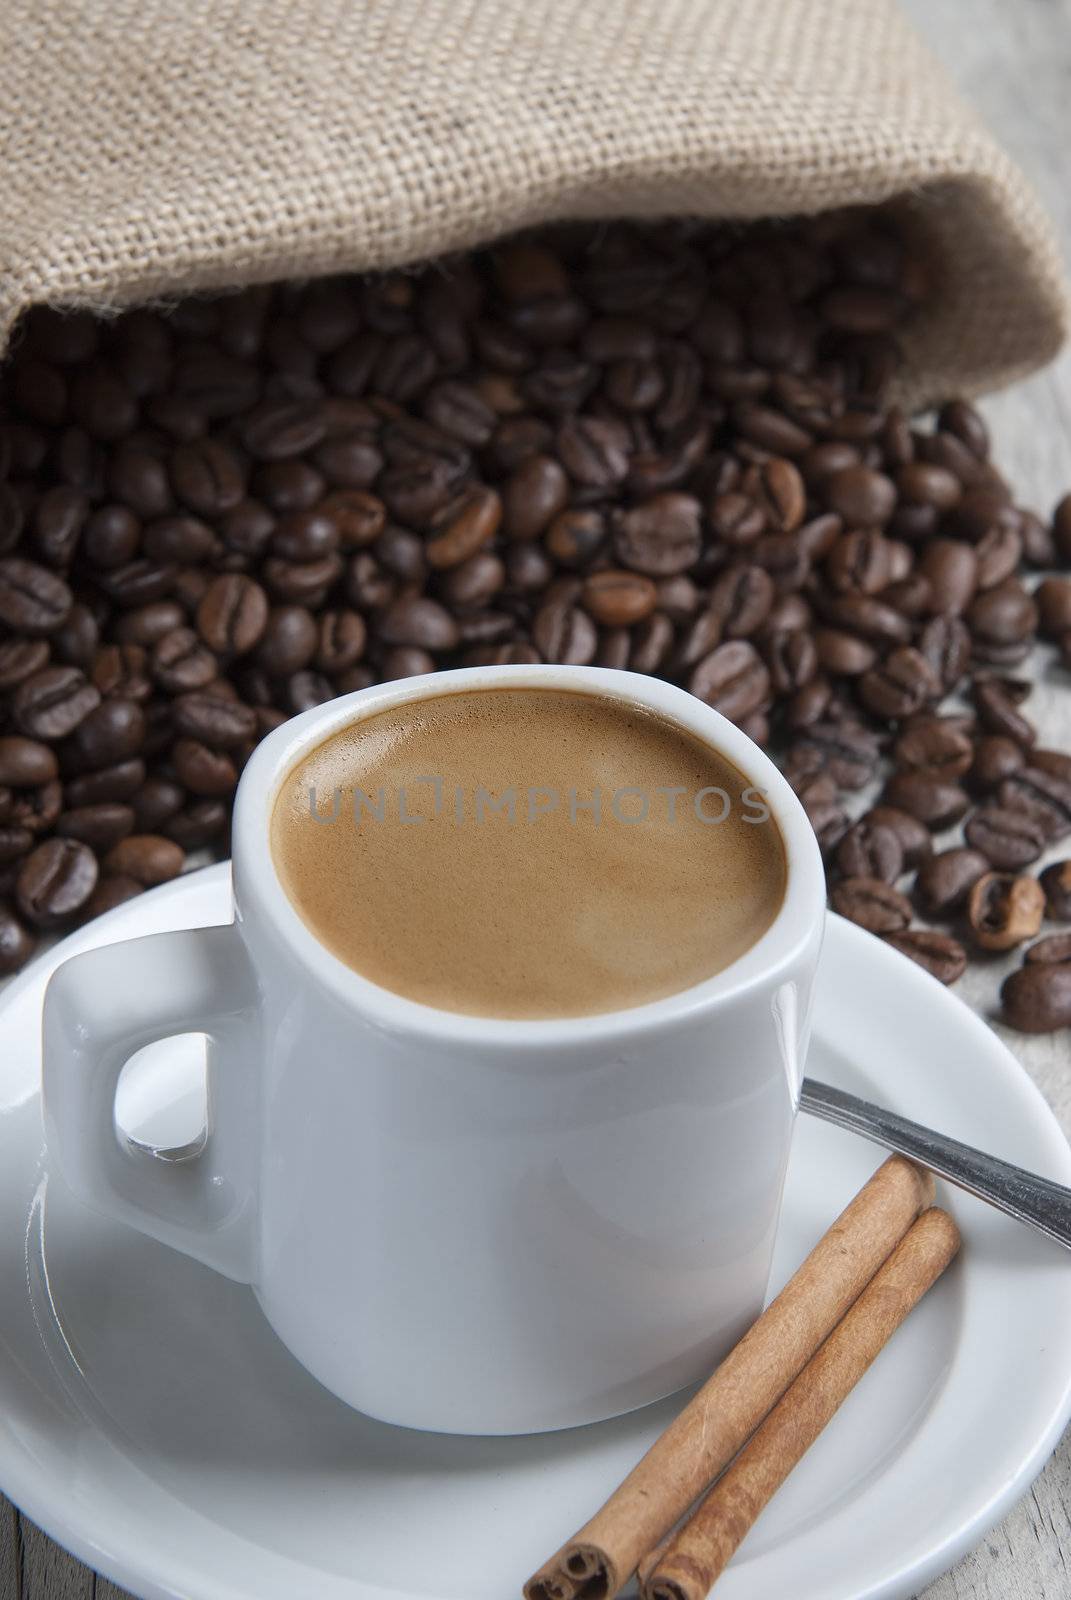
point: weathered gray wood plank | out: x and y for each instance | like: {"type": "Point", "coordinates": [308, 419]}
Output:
{"type": "Point", "coordinates": [49, 1573]}
{"type": "Point", "coordinates": [10, 1552]}
{"type": "Point", "coordinates": [1013, 60]}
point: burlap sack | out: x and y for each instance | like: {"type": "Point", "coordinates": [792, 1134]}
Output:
{"type": "Point", "coordinates": [157, 146]}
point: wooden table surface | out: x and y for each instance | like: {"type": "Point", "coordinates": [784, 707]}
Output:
{"type": "Point", "coordinates": [1013, 60]}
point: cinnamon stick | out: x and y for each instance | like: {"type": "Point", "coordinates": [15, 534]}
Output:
{"type": "Point", "coordinates": [691, 1561]}
{"type": "Point", "coordinates": [598, 1561]}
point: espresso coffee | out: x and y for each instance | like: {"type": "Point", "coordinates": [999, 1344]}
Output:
{"type": "Point", "coordinates": [527, 853]}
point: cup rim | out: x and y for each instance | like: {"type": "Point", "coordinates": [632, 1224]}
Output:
{"type": "Point", "coordinates": [261, 898]}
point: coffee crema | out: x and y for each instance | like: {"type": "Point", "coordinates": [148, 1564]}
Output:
{"type": "Point", "coordinates": [527, 853]}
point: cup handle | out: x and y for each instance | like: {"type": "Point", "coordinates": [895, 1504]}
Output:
{"type": "Point", "coordinates": [103, 1006]}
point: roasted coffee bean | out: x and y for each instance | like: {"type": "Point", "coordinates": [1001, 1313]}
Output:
{"type": "Point", "coordinates": [25, 763]}
{"type": "Point", "coordinates": [340, 642]}
{"type": "Point", "coordinates": [1003, 910]}
{"type": "Point", "coordinates": [1005, 614]}
{"type": "Point", "coordinates": [573, 539]}
{"type": "Point", "coordinates": [1055, 762]}
{"type": "Point", "coordinates": [420, 621]}
{"type": "Point", "coordinates": [51, 703]}
{"type": "Point", "coordinates": [139, 479]}
{"type": "Point", "coordinates": [951, 568]}
{"type": "Point", "coordinates": [999, 553]}
{"type": "Point", "coordinates": [661, 537]}
{"type": "Point", "coordinates": [138, 583]}
{"type": "Point", "coordinates": [466, 528]}
{"type": "Point", "coordinates": [843, 654]}
{"type": "Point", "coordinates": [778, 490]}
{"type": "Point", "coordinates": [287, 644]}
{"type": "Point", "coordinates": [770, 430]}
{"type": "Point", "coordinates": [870, 851]}
{"type": "Point", "coordinates": [113, 731]}
{"type": "Point", "coordinates": [180, 662]}
{"type": "Point", "coordinates": [20, 659]}
{"type": "Point", "coordinates": [995, 700]}
{"type": "Point", "coordinates": [207, 477]}
{"type": "Point", "coordinates": [1037, 998]}
{"type": "Point", "coordinates": [943, 957]}
{"type": "Point", "coordinates": [201, 823]}
{"type": "Point", "coordinates": [1043, 795]}
{"type": "Point", "coordinates": [936, 745]}
{"type": "Point", "coordinates": [148, 624]}
{"type": "Point", "coordinates": [830, 823]}
{"type": "Point", "coordinates": [733, 679]}
{"type": "Point", "coordinates": [995, 758]}
{"type": "Point", "coordinates": [148, 858]}
{"type": "Point", "coordinates": [33, 600]}
{"type": "Point", "coordinates": [303, 582]}
{"type": "Point", "coordinates": [533, 496]}
{"type": "Point", "coordinates": [473, 582]}
{"type": "Point", "coordinates": [100, 826]}
{"type": "Point", "coordinates": [791, 659]}
{"type": "Point", "coordinates": [848, 751]}
{"type": "Point", "coordinates": [1055, 947]}
{"type": "Point", "coordinates": [122, 669]}
{"type": "Point", "coordinates": [736, 519]}
{"type": "Point", "coordinates": [158, 799]}
{"type": "Point", "coordinates": [900, 685]}
{"type": "Point", "coordinates": [233, 615]}
{"type": "Point", "coordinates": [287, 486]}
{"type": "Point", "coordinates": [867, 616]}
{"type": "Point", "coordinates": [119, 782]}
{"type": "Point", "coordinates": [959, 417]}
{"type": "Point", "coordinates": [592, 453]}
{"type": "Point", "coordinates": [111, 537]}
{"type": "Point", "coordinates": [213, 718]}
{"type": "Point", "coordinates": [1009, 839]}
{"type": "Point", "coordinates": [305, 536]}
{"type": "Point", "coordinates": [564, 633]}
{"type": "Point", "coordinates": [55, 880]}
{"type": "Point", "coordinates": [277, 431]}
{"type": "Point", "coordinates": [17, 943]}
{"type": "Point", "coordinates": [1053, 599]}
{"type": "Point", "coordinates": [618, 599]}
{"type": "Point", "coordinates": [1056, 883]}
{"type": "Point", "coordinates": [860, 562]}
{"type": "Point", "coordinates": [914, 836]}
{"type": "Point", "coordinates": [58, 521]}
{"type": "Point", "coordinates": [945, 880]}
{"type": "Point", "coordinates": [742, 598]}
{"type": "Point", "coordinates": [651, 642]}
{"type": "Point", "coordinates": [871, 904]}
{"type": "Point", "coordinates": [931, 798]}
{"type": "Point", "coordinates": [912, 597]}
{"type": "Point", "coordinates": [863, 497]}
{"type": "Point", "coordinates": [946, 644]}
{"type": "Point", "coordinates": [203, 771]}
{"type": "Point", "coordinates": [458, 409]}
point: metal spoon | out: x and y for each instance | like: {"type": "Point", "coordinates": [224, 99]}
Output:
{"type": "Point", "coordinates": [1036, 1201]}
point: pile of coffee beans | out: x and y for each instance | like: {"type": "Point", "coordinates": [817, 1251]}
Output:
{"type": "Point", "coordinates": [669, 448]}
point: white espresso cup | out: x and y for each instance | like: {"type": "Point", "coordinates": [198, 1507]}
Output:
{"type": "Point", "coordinates": [454, 1222]}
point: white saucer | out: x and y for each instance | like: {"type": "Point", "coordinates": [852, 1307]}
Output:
{"type": "Point", "coordinates": [151, 1422]}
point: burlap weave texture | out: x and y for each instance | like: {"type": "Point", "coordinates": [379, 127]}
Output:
{"type": "Point", "coordinates": [153, 147]}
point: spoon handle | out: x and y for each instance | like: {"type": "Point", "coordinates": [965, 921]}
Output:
{"type": "Point", "coordinates": [1036, 1201]}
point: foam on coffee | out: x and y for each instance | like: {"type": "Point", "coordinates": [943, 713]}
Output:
{"type": "Point", "coordinates": [527, 853]}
